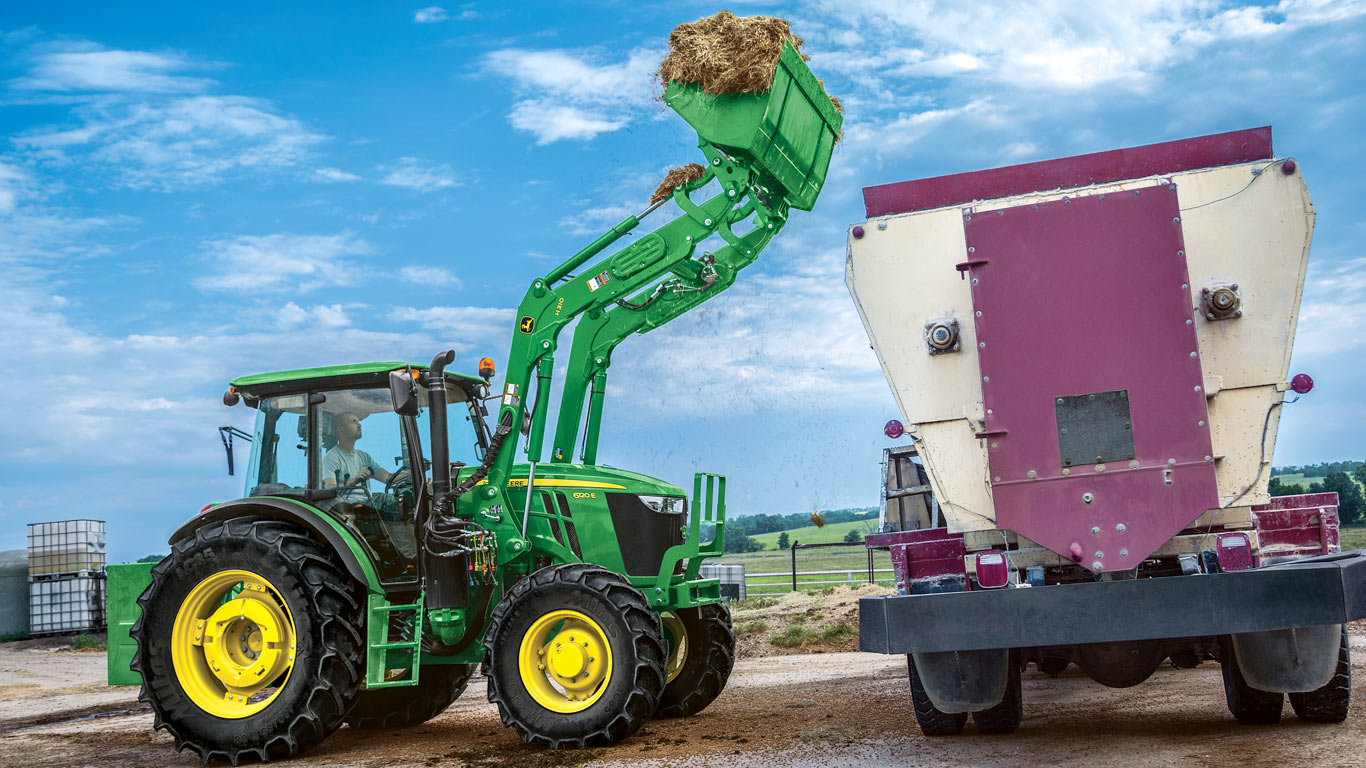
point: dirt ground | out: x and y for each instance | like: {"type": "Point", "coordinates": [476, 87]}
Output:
{"type": "Point", "coordinates": [801, 709]}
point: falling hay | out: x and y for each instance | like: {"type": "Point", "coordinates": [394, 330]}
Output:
{"type": "Point", "coordinates": [726, 53]}
{"type": "Point", "coordinates": [676, 176]}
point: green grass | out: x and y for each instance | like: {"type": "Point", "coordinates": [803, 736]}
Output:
{"type": "Point", "coordinates": [823, 535]}
{"type": "Point", "coordinates": [88, 643]}
{"type": "Point", "coordinates": [1352, 536]}
{"type": "Point", "coordinates": [13, 636]}
{"type": "Point", "coordinates": [1303, 482]}
{"type": "Point", "coordinates": [793, 636]}
{"type": "Point", "coordinates": [747, 628]}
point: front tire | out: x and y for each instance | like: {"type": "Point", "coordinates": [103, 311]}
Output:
{"type": "Point", "coordinates": [575, 658]}
{"type": "Point", "coordinates": [700, 662]}
{"type": "Point", "coordinates": [248, 641]}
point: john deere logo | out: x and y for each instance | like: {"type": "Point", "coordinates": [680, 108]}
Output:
{"type": "Point", "coordinates": [527, 323]}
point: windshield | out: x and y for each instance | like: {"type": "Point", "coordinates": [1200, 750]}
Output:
{"type": "Point", "coordinates": [358, 433]}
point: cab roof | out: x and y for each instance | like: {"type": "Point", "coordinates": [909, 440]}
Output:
{"type": "Point", "coordinates": [354, 374]}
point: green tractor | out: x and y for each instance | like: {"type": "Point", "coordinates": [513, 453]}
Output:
{"type": "Point", "coordinates": [389, 540]}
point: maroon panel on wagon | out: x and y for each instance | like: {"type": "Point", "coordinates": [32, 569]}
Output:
{"type": "Point", "coordinates": [1068, 172]}
{"type": "Point", "coordinates": [1098, 438]}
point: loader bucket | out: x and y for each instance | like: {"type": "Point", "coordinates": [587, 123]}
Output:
{"type": "Point", "coordinates": [787, 132]}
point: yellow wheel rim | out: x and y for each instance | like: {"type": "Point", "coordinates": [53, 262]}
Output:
{"type": "Point", "coordinates": [565, 661]}
{"type": "Point", "coordinates": [676, 635]}
{"type": "Point", "coordinates": [232, 644]}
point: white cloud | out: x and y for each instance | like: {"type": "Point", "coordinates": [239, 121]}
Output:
{"type": "Point", "coordinates": [89, 68]}
{"type": "Point", "coordinates": [334, 174]}
{"type": "Point", "coordinates": [282, 263]}
{"type": "Point", "coordinates": [138, 117]}
{"type": "Point", "coordinates": [466, 328]}
{"type": "Point", "coordinates": [177, 142]}
{"type": "Point", "coordinates": [594, 221]}
{"type": "Point", "coordinates": [293, 316]}
{"type": "Point", "coordinates": [551, 122]}
{"type": "Point", "coordinates": [429, 276]}
{"type": "Point", "coordinates": [589, 96]}
{"type": "Point", "coordinates": [430, 15]}
{"type": "Point", "coordinates": [15, 183]}
{"type": "Point", "coordinates": [410, 175]}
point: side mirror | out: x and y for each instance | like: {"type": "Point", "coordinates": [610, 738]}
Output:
{"type": "Point", "coordinates": [403, 391]}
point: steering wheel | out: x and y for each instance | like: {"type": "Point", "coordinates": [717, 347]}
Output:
{"type": "Point", "coordinates": [394, 482]}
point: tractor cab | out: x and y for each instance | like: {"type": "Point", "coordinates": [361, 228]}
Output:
{"type": "Point", "coordinates": [330, 437]}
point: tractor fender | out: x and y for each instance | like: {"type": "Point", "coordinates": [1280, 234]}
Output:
{"type": "Point", "coordinates": [330, 531]}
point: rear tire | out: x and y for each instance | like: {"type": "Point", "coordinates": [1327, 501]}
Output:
{"type": "Point", "coordinates": [1330, 703]}
{"type": "Point", "coordinates": [439, 685]}
{"type": "Point", "coordinates": [1248, 705]}
{"type": "Point", "coordinates": [710, 656]}
{"type": "Point", "coordinates": [589, 698]}
{"type": "Point", "coordinates": [933, 721]}
{"type": "Point", "coordinates": [277, 569]}
{"type": "Point", "coordinates": [1006, 716]}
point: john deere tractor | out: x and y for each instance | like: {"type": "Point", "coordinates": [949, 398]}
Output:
{"type": "Point", "coordinates": [389, 539]}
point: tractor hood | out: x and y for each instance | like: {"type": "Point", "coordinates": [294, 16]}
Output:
{"type": "Point", "coordinates": [590, 477]}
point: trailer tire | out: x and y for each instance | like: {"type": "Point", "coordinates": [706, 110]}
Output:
{"type": "Point", "coordinates": [293, 591]}
{"type": "Point", "coordinates": [623, 667]}
{"type": "Point", "coordinates": [1248, 705]}
{"type": "Point", "coordinates": [1330, 703]}
{"type": "Point", "coordinates": [933, 721]}
{"type": "Point", "coordinates": [438, 686]}
{"type": "Point", "coordinates": [709, 655]}
{"type": "Point", "coordinates": [1006, 716]}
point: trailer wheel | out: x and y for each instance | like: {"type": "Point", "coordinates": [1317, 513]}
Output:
{"type": "Point", "coordinates": [701, 655]}
{"type": "Point", "coordinates": [575, 657]}
{"type": "Point", "coordinates": [933, 721]}
{"type": "Point", "coordinates": [1006, 716]}
{"type": "Point", "coordinates": [1249, 706]}
{"type": "Point", "coordinates": [248, 641]}
{"type": "Point", "coordinates": [1330, 703]}
{"type": "Point", "coordinates": [438, 686]}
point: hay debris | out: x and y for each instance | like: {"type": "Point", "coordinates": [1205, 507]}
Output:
{"type": "Point", "coordinates": [677, 175]}
{"type": "Point", "coordinates": [725, 53]}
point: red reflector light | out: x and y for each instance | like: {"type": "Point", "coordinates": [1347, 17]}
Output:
{"type": "Point", "coordinates": [893, 429]}
{"type": "Point", "coordinates": [1302, 383]}
{"type": "Point", "coordinates": [1235, 552]}
{"type": "Point", "coordinates": [992, 570]}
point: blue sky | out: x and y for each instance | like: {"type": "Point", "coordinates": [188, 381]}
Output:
{"type": "Point", "coordinates": [189, 193]}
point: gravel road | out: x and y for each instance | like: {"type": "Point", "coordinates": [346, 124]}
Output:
{"type": "Point", "coordinates": [830, 709]}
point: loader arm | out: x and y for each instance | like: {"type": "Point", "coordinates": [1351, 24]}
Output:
{"type": "Point", "coordinates": [637, 289]}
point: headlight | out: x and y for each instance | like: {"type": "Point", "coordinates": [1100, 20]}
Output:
{"type": "Point", "coordinates": [666, 505]}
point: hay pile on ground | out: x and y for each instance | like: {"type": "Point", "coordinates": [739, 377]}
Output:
{"type": "Point", "coordinates": [726, 53]}
{"type": "Point", "coordinates": [676, 176]}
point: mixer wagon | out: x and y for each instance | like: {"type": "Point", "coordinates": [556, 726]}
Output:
{"type": "Point", "coordinates": [1091, 355]}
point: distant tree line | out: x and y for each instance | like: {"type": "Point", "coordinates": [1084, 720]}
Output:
{"type": "Point", "coordinates": [741, 530]}
{"type": "Point", "coordinates": [1348, 487]}
{"type": "Point", "coordinates": [1323, 469]}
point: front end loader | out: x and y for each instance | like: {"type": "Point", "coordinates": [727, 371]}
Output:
{"type": "Point", "coordinates": [390, 538]}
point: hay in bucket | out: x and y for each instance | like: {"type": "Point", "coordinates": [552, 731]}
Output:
{"type": "Point", "coordinates": [725, 53]}
{"type": "Point", "coordinates": [676, 176]}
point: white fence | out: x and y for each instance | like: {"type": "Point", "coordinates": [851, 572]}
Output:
{"type": "Point", "coordinates": [781, 581]}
